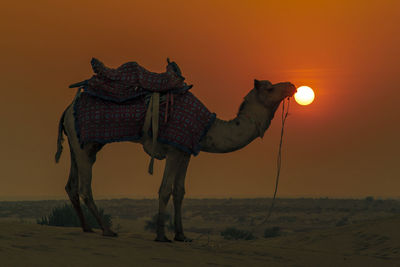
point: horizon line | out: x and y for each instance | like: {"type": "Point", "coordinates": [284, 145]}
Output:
{"type": "Point", "coordinates": [133, 197]}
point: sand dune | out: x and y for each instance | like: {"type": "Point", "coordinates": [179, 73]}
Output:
{"type": "Point", "coordinates": [376, 243]}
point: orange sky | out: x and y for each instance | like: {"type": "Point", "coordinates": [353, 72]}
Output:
{"type": "Point", "coordinates": [346, 144]}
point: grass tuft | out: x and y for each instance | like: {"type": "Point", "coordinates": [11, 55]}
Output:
{"type": "Point", "coordinates": [232, 233]}
{"type": "Point", "coordinates": [151, 225]}
{"type": "Point", "coordinates": [272, 232]}
{"type": "Point", "coordinates": [66, 216]}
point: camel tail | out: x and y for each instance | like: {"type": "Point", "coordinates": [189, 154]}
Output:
{"type": "Point", "coordinates": [60, 138]}
{"type": "Point", "coordinates": [61, 129]}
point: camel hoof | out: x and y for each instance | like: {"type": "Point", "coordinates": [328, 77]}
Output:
{"type": "Point", "coordinates": [162, 239]}
{"type": "Point", "coordinates": [182, 239]}
{"type": "Point", "coordinates": [109, 233]}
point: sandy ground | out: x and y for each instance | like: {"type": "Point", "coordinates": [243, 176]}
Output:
{"type": "Point", "coordinates": [375, 243]}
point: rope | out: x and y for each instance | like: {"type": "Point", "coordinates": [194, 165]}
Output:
{"type": "Point", "coordinates": [279, 164]}
{"type": "Point", "coordinates": [279, 159]}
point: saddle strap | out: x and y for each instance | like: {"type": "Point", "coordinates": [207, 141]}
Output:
{"type": "Point", "coordinates": [152, 115]}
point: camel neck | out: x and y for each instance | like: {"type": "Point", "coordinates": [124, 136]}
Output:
{"type": "Point", "coordinates": [252, 120]}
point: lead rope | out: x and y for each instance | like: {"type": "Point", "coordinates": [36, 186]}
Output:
{"type": "Point", "coordinates": [279, 164]}
{"type": "Point", "coordinates": [279, 159]}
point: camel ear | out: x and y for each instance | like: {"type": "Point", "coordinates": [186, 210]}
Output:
{"type": "Point", "coordinates": [256, 83]}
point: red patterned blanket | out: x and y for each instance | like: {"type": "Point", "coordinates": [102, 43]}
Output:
{"type": "Point", "coordinates": [131, 80]}
{"type": "Point", "coordinates": [102, 121]}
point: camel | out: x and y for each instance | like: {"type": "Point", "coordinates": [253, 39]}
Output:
{"type": "Point", "coordinates": [252, 120]}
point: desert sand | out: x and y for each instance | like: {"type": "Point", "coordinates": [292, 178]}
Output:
{"type": "Point", "coordinates": [373, 243]}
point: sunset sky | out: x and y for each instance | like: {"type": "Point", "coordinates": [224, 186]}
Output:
{"type": "Point", "coordinates": [345, 144]}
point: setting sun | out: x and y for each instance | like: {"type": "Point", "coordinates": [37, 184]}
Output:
{"type": "Point", "coordinates": [304, 96]}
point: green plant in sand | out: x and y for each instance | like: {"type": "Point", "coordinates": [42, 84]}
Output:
{"type": "Point", "coordinates": [232, 233]}
{"type": "Point", "coordinates": [66, 216]}
{"type": "Point", "coordinates": [272, 232]}
{"type": "Point", "coordinates": [151, 225]}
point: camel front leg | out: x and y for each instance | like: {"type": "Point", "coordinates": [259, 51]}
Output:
{"type": "Point", "coordinates": [178, 194]}
{"type": "Point", "coordinates": [173, 161]}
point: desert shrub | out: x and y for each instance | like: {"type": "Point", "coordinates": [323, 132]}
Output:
{"type": "Point", "coordinates": [343, 221]}
{"type": "Point", "coordinates": [241, 219]}
{"type": "Point", "coordinates": [272, 232]}
{"type": "Point", "coordinates": [287, 218]}
{"type": "Point", "coordinates": [369, 199]}
{"type": "Point", "coordinates": [151, 225]}
{"type": "Point", "coordinates": [232, 233]}
{"type": "Point", "coordinates": [203, 231]}
{"type": "Point", "coordinates": [66, 216]}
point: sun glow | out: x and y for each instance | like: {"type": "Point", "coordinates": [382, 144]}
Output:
{"type": "Point", "coordinates": [304, 96]}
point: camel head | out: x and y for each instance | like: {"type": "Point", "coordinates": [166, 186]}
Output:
{"type": "Point", "coordinates": [270, 95]}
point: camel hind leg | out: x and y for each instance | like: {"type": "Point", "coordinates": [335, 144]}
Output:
{"type": "Point", "coordinates": [72, 189]}
{"type": "Point", "coordinates": [85, 159]}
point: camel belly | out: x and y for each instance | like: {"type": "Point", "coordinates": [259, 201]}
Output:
{"type": "Point", "coordinates": [160, 150]}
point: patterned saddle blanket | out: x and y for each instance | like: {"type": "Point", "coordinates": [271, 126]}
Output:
{"type": "Point", "coordinates": [182, 124]}
{"type": "Point", "coordinates": [131, 80]}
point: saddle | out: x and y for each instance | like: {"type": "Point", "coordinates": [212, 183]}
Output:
{"type": "Point", "coordinates": [130, 81]}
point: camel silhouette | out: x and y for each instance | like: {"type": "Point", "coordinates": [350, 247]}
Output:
{"type": "Point", "coordinates": [252, 120]}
